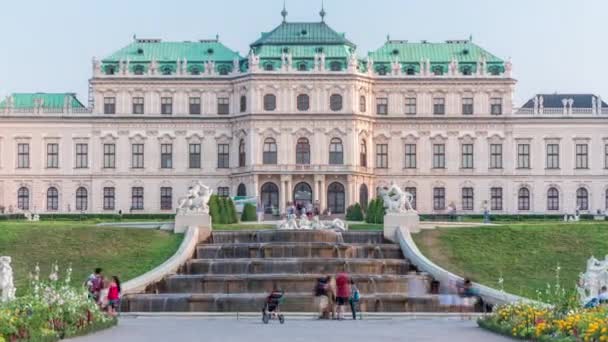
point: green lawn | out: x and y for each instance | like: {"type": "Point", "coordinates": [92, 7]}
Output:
{"type": "Point", "coordinates": [526, 255]}
{"type": "Point", "coordinates": [126, 253]}
{"type": "Point", "coordinates": [365, 226]}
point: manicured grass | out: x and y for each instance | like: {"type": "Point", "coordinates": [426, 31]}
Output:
{"type": "Point", "coordinates": [525, 255]}
{"type": "Point", "coordinates": [124, 252]}
{"type": "Point", "coordinates": [365, 226]}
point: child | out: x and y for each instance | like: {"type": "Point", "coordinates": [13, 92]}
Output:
{"type": "Point", "coordinates": [113, 296]}
{"type": "Point", "coordinates": [355, 296]}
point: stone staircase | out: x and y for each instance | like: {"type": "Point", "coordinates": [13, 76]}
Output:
{"type": "Point", "coordinates": [234, 272]}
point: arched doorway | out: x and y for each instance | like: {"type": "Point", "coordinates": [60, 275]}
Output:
{"type": "Point", "coordinates": [302, 194]}
{"type": "Point", "coordinates": [335, 198]}
{"type": "Point", "coordinates": [270, 198]}
{"type": "Point", "coordinates": [363, 197]}
{"type": "Point", "coordinates": [241, 190]}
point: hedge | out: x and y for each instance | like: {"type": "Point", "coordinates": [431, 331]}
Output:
{"type": "Point", "coordinates": [354, 213]}
{"type": "Point", "coordinates": [375, 211]}
{"type": "Point", "coordinates": [249, 213]}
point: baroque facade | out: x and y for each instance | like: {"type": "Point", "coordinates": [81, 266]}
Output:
{"type": "Point", "coordinates": [303, 117]}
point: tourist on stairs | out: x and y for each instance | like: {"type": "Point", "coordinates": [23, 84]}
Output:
{"type": "Point", "coordinates": [355, 296]}
{"type": "Point", "coordinates": [343, 292]}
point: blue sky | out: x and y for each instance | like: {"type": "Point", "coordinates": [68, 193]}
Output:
{"type": "Point", "coordinates": [555, 45]}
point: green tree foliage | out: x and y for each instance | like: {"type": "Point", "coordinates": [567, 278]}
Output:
{"type": "Point", "coordinates": [214, 209]}
{"type": "Point", "coordinates": [354, 213]}
{"type": "Point", "coordinates": [249, 213]}
{"type": "Point", "coordinates": [375, 211]}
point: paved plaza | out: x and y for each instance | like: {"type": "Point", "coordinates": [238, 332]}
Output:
{"type": "Point", "coordinates": [298, 329]}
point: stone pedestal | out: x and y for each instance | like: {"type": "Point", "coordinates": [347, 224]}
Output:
{"type": "Point", "coordinates": [392, 221]}
{"type": "Point", "coordinates": [183, 221]}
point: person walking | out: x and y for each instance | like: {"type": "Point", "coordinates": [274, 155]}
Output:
{"type": "Point", "coordinates": [355, 296]}
{"type": "Point", "coordinates": [114, 296]}
{"type": "Point", "coordinates": [94, 285]}
{"type": "Point", "coordinates": [321, 297]}
{"type": "Point", "coordinates": [342, 292]}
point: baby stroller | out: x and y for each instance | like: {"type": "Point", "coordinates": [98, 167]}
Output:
{"type": "Point", "coordinates": [272, 308]}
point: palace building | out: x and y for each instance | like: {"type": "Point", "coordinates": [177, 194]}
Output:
{"type": "Point", "coordinates": [304, 116]}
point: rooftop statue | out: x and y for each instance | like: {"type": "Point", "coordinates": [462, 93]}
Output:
{"type": "Point", "coordinates": [196, 201]}
{"type": "Point", "coordinates": [6, 279]}
{"type": "Point", "coordinates": [397, 201]}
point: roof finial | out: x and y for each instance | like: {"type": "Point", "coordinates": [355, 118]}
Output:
{"type": "Point", "coordinates": [322, 13]}
{"type": "Point", "coordinates": [217, 37]}
{"type": "Point", "coordinates": [470, 38]}
{"type": "Point", "coordinates": [388, 37]}
{"type": "Point", "coordinates": [284, 12]}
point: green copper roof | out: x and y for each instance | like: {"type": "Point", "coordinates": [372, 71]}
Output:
{"type": "Point", "coordinates": [147, 50]}
{"type": "Point", "coordinates": [302, 34]}
{"type": "Point", "coordinates": [462, 51]}
{"type": "Point", "coordinates": [303, 51]}
{"type": "Point", "coordinates": [49, 100]}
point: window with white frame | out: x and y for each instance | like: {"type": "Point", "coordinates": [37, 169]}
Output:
{"type": "Point", "coordinates": [166, 105]}
{"type": "Point", "coordinates": [382, 105]}
{"type": "Point", "coordinates": [223, 105]}
{"type": "Point", "coordinates": [466, 156]}
{"type": "Point", "coordinates": [137, 198]}
{"type": "Point", "coordinates": [194, 105]}
{"type": "Point", "coordinates": [109, 156]}
{"type": "Point", "coordinates": [109, 105]}
{"type": "Point", "coordinates": [552, 156]}
{"type": "Point", "coordinates": [467, 198]}
{"type": "Point", "coordinates": [439, 198]}
{"type": "Point", "coordinates": [439, 156]}
{"type": "Point", "coordinates": [523, 199]}
{"type": "Point", "coordinates": [582, 199]}
{"type": "Point", "coordinates": [52, 155]}
{"type": "Point", "coordinates": [523, 156]}
{"type": "Point", "coordinates": [467, 105]}
{"type": "Point", "coordinates": [410, 106]}
{"type": "Point", "coordinates": [582, 156]}
{"type": "Point", "coordinates": [137, 156]}
{"type": "Point", "coordinates": [496, 106]}
{"type": "Point", "coordinates": [166, 198]}
{"type": "Point", "coordinates": [410, 156]}
{"type": "Point", "coordinates": [166, 156]}
{"type": "Point", "coordinates": [138, 105]}
{"type": "Point", "coordinates": [552, 199]}
{"type": "Point", "coordinates": [108, 198]}
{"type": "Point", "coordinates": [223, 156]}
{"type": "Point", "coordinates": [23, 156]}
{"type": "Point", "coordinates": [495, 156]}
{"type": "Point", "coordinates": [82, 156]}
{"type": "Point", "coordinates": [438, 106]}
{"type": "Point", "coordinates": [194, 156]}
{"type": "Point", "coordinates": [495, 198]}
{"type": "Point", "coordinates": [382, 156]}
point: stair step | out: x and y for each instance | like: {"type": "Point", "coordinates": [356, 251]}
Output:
{"type": "Point", "coordinates": [250, 236]}
{"type": "Point", "coordinates": [298, 250]}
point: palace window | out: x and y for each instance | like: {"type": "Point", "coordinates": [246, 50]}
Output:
{"type": "Point", "coordinates": [166, 198]}
{"type": "Point", "coordinates": [552, 156]}
{"type": "Point", "coordinates": [606, 156]}
{"type": "Point", "coordinates": [410, 156]}
{"type": "Point", "coordinates": [410, 71]}
{"type": "Point", "coordinates": [523, 156]}
{"type": "Point", "coordinates": [439, 156]}
{"type": "Point", "coordinates": [467, 70]}
{"type": "Point", "coordinates": [381, 105]}
{"type": "Point", "coordinates": [412, 191]}
{"type": "Point", "coordinates": [438, 198]}
{"type": "Point", "coordinates": [166, 70]}
{"type": "Point", "coordinates": [223, 70]}
{"type": "Point", "coordinates": [303, 102]}
{"type": "Point", "coordinates": [523, 199]}
{"type": "Point", "coordinates": [242, 153]}
{"type": "Point", "coordinates": [438, 105]}
{"type": "Point", "coordinates": [137, 198]}
{"type": "Point", "coordinates": [82, 199]}
{"type": "Point", "coordinates": [270, 152]}
{"type": "Point", "coordinates": [23, 198]}
{"type": "Point", "coordinates": [363, 196]}
{"type": "Point", "coordinates": [270, 102]}
{"type": "Point", "coordinates": [166, 156]}
{"type": "Point", "coordinates": [336, 152]}
{"type": "Point", "coordinates": [467, 106]}
{"type": "Point", "coordinates": [52, 156]}
{"type": "Point", "coordinates": [335, 66]}
{"type": "Point", "coordinates": [303, 152]}
{"type": "Point", "coordinates": [194, 156]}
{"type": "Point", "coordinates": [410, 106]}
{"type": "Point", "coordinates": [109, 105]}
{"type": "Point", "coordinates": [382, 156]}
{"type": "Point", "coordinates": [223, 156]}
{"type": "Point", "coordinates": [223, 191]}
{"type": "Point", "coordinates": [82, 156]}
{"type": "Point", "coordinates": [335, 102]}
{"type": "Point", "coordinates": [582, 156]}
{"type": "Point", "coordinates": [166, 105]}
{"type": "Point", "coordinates": [243, 103]}
{"type": "Point", "coordinates": [467, 156]}
{"type": "Point", "coordinates": [195, 70]}
{"type": "Point", "coordinates": [137, 156]}
{"type": "Point", "coordinates": [302, 66]}
{"type": "Point", "coordinates": [108, 198]}
{"type": "Point", "coordinates": [268, 67]}
{"type": "Point", "coordinates": [496, 106]}
{"type": "Point", "coordinates": [138, 105]}
{"type": "Point", "coordinates": [194, 105]}
{"type": "Point", "coordinates": [109, 156]}
{"type": "Point", "coordinates": [467, 199]}
{"type": "Point", "coordinates": [52, 199]}
{"type": "Point", "coordinates": [223, 105]}
{"type": "Point", "coordinates": [382, 70]}
{"type": "Point", "coordinates": [437, 70]}
{"type": "Point", "coordinates": [241, 190]}
{"type": "Point", "coordinates": [138, 70]}
{"type": "Point", "coordinates": [582, 199]}
{"type": "Point", "coordinates": [362, 104]}
{"type": "Point", "coordinates": [363, 153]}
{"type": "Point", "coordinates": [495, 156]}
{"type": "Point", "coordinates": [495, 198]}
{"type": "Point", "coordinates": [23, 156]}
{"type": "Point", "coordinates": [552, 199]}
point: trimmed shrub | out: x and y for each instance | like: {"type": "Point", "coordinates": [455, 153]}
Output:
{"type": "Point", "coordinates": [214, 209]}
{"type": "Point", "coordinates": [249, 213]}
{"type": "Point", "coordinates": [375, 211]}
{"type": "Point", "coordinates": [231, 211]}
{"type": "Point", "coordinates": [354, 213]}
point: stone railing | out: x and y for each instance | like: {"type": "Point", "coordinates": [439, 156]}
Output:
{"type": "Point", "coordinates": [54, 111]}
{"type": "Point", "coordinates": [560, 112]}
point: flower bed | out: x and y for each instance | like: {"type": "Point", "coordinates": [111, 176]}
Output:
{"type": "Point", "coordinates": [543, 323]}
{"type": "Point", "coordinates": [49, 311]}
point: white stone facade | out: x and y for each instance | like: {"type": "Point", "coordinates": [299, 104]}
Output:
{"type": "Point", "coordinates": [352, 124]}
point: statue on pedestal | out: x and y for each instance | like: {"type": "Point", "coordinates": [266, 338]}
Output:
{"type": "Point", "coordinates": [396, 200]}
{"type": "Point", "coordinates": [6, 279]}
{"type": "Point", "coordinates": [196, 201]}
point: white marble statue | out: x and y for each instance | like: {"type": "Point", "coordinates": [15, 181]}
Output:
{"type": "Point", "coordinates": [594, 278]}
{"type": "Point", "coordinates": [196, 201]}
{"type": "Point", "coordinates": [396, 200]}
{"type": "Point", "coordinates": [315, 224]}
{"type": "Point", "coordinates": [6, 279]}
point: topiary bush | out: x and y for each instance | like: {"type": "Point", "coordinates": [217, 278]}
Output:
{"type": "Point", "coordinates": [354, 213]}
{"type": "Point", "coordinates": [231, 211]}
{"type": "Point", "coordinates": [249, 213]}
{"type": "Point", "coordinates": [214, 209]}
{"type": "Point", "coordinates": [375, 211]}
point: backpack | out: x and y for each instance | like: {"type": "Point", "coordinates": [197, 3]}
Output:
{"type": "Point", "coordinates": [321, 289]}
{"type": "Point", "coordinates": [356, 296]}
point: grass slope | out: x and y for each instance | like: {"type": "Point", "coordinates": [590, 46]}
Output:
{"type": "Point", "coordinates": [526, 255]}
{"type": "Point", "coordinates": [126, 253]}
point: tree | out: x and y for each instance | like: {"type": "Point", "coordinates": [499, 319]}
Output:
{"type": "Point", "coordinates": [375, 211]}
{"type": "Point", "coordinates": [354, 213]}
{"type": "Point", "coordinates": [231, 211]}
{"type": "Point", "coordinates": [249, 213]}
{"type": "Point", "coordinates": [214, 209]}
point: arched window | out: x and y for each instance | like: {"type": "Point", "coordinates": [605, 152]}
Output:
{"type": "Point", "coordinates": [23, 198]}
{"type": "Point", "coordinates": [52, 199]}
{"type": "Point", "coordinates": [241, 190]}
{"type": "Point", "coordinates": [362, 104]}
{"type": "Point", "coordinates": [335, 66]}
{"type": "Point", "coordinates": [494, 70]}
{"type": "Point", "coordinates": [363, 153]}
{"type": "Point", "coordinates": [81, 199]}
{"type": "Point", "coordinates": [268, 67]}
{"type": "Point", "coordinates": [302, 194]}
{"type": "Point", "coordinates": [223, 70]}
{"type": "Point", "coordinates": [302, 66]}
{"type": "Point", "coordinates": [582, 199]}
{"type": "Point", "coordinates": [467, 70]}
{"type": "Point", "coordinates": [335, 102]}
{"type": "Point", "coordinates": [270, 198]}
{"type": "Point", "coordinates": [410, 70]}
{"type": "Point", "coordinates": [303, 102]}
{"type": "Point", "coordinates": [336, 152]}
{"type": "Point", "coordinates": [552, 199]}
{"type": "Point", "coordinates": [166, 70]}
{"type": "Point", "coordinates": [523, 199]}
{"type": "Point", "coordinates": [243, 103]}
{"type": "Point", "coordinates": [242, 153]}
{"type": "Point", "coordinates": [437, 70]}
{"type": "Point", "coordinates": [195, 70]}
{"type": "Point", "coordinates": [270, 102]}
{"type": "Point", "coordinates": [336, 198]}
{"type": "Point", "coordinates": [138, 69]}
{"type": "Point", "coordinates": [363, 196]}
{"type": "Point", "coordinates": [110, 69]}
{"type": "Point", "coordinates": [303, 152]}
{"type": "Point", "coordinates": [382, 70]}
{"type": "Point", "coordinates": [270, 151]}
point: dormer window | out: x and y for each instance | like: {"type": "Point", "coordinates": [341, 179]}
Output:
{"type": "Point", "coordinates": [382, 70]}
{"type": "Point", "coordinates": [335, 66]}
{"type": "Point", "coordinates": [166, 70]}
{"type": "Point", "coordinates": [467, 70]}
{"type": "Point", "coordinates": [494, 70]}
{"type": "Point", "coordinates": [438, 70]}
{"type": "Point", "coordinates": [302, 66]}
{"type": "Point", "coordinates": [138, 70]}
{"type": "Point", "coordinates": [319, 50]}
{"type": "Point", "coordinates": [140, 51]}
{"type": "Point", "coordinates": [195, 71]}
{"type": "Point", "coordinates": [210, 51]}
{"type": "Point", "coordinates": [410, 70]}
{"type": "Point", "coordinates": [268, 67]}
{"type": "Point", "coordinates": [223, 70]}
{"type": "Point", "coordinates": [110, 70]}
